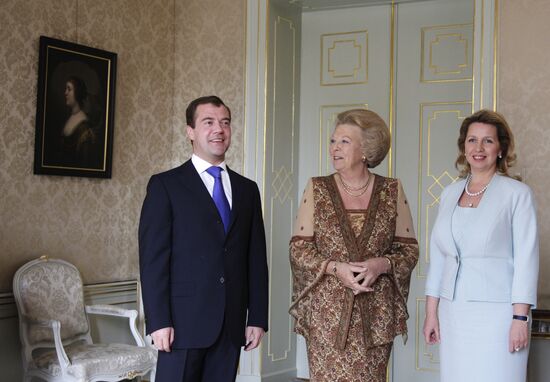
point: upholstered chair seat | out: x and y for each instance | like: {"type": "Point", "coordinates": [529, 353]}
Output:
{"type": "Point", "coordinates": [95, 360]}
{"type": "Point", "coordinates": [55, 332]}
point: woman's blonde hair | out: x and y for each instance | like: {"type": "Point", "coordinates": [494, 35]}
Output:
{"type": "Point", "coordinates": [375, 133]}
{"type": "Point", "coordinates": [507, 155]}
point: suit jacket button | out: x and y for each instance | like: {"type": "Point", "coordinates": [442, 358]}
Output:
{"type": "Point", "coordinates": [222, 280]}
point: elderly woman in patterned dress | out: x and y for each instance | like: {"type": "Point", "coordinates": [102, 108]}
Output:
{"type": "Point", "coordinates": [352, 253]}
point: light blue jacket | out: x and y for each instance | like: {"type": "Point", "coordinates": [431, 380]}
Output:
{"type": "Point", "coordinates": [499, 260]}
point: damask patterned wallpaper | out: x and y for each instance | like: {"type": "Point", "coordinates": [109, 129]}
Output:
{"type": "Point", "coordinates": [169, 52]}
{"type": "Point", "coordinates": [210, 59]}
{"type": "Point", "coordinates": [524, 98]}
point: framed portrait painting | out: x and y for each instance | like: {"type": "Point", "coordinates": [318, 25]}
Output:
{"type": "Point", "coordinates": [74, 110]}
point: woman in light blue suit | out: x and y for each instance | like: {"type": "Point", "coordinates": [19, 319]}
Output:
{"type": "Point", "coordinates": [482, 280]}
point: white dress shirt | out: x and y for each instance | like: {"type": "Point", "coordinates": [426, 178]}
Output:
{"type": "Point", "coordinates": [201, 166]}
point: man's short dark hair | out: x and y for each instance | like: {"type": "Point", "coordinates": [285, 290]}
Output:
{"type": "Point", "coordinates": [192, 108]}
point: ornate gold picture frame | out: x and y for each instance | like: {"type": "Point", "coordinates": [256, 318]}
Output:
{"type": "Point", "coordinates": [74, 110]}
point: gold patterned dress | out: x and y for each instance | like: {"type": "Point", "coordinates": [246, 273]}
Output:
{"type": "Point", "coordinates": [349, 338]}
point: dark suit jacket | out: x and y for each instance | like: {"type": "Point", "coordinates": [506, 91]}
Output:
{"type": "Point", "coordinates": [193, 275]}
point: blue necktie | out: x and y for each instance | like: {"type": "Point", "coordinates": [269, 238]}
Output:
{"type": "Point", "coordinates": [219, 195]}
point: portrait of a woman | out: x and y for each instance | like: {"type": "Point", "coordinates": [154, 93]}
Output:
{"type": "Point", "coordinates": [75, 110]}
{"type": "Point", "coordinates": [78, 140]}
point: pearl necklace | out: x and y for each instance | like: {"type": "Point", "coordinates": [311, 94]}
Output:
{"type": "Point", "coordinates": [474, 194]}
{"type": "Point", "coordinates": [349, 190]}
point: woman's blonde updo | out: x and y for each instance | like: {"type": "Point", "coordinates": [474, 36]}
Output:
{"type": "Point", "coordinates": [375, 133]}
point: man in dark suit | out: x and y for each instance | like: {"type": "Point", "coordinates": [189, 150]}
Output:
{"type": "Point", "coordinates": [203, 257]}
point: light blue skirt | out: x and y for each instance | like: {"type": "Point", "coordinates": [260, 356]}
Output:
{"type": "Point", "coordinates": [474, 343]}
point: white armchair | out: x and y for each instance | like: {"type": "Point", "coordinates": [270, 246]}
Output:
{"type": "Point", "coordinates": [55, 332]}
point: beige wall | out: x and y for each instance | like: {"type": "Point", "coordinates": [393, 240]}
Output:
{"type": "Point", "coordinates": [169, 52]}
{"type": "Point", "coordinates": [524, 99]}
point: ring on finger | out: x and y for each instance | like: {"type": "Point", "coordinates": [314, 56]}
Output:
{"type": "Point", "coordinates": [517, 349]}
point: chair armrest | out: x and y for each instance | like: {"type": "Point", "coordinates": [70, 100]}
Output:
{"type": "Point", "coordinates": [55, 325]}
{"type": "Point", "coordinates": [109, 310]}
{"type": "Point", "coordinates": [34, 322]}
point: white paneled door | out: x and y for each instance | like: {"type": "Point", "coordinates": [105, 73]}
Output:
{"type": "Point", "coordinates": [433, 88]}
